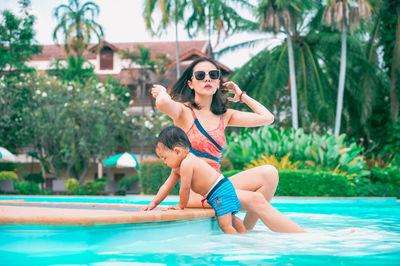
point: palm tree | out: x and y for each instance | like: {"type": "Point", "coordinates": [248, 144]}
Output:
{"type": "Point", "coordinates": [77, 25]}
{"type": "Point", "coordinates": [276, 15]}
{"type": "Point", "coordinates": [215, 16]}
{"type": "Point", "coordinates": [141, 56]}
{"type": "Point", "coordinates": [171, 10]}
{"type": "Point", "coordinates": [344, 17]}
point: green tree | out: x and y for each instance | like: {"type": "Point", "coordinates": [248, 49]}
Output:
{"type": "Point", "coordinates": [74, 124]}
{"type": "Point", "coordinates": [277, 15]}
{"type": "Point", "coordinates": [389, 39]}
{"type": "Point", "coordinates": [171, 11]}
{"type": "Point", "coordinates": [77, 25]}
{"type": "Point", "coordinates": [141, 56]}
{"type": "Point", "coordinates": [216, 16]}
{"type": "Point", "coordinates": [17, 43]}
{"type": "Point", "coordinates": [75, 68]}
{"type": "Point", "coordinates": [344, 17]}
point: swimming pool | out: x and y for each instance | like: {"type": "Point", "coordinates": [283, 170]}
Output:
{"type": "Point", "coordinates": [330, 241]}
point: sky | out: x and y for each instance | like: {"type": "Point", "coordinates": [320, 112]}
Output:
{"type": "Point", "coordinates": [122, 21]}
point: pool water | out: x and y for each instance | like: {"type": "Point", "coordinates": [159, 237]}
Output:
{"type": "Point", "coordinates": [341, 232]}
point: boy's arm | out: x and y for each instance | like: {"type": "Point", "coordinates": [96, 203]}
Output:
{"type": "Point", "coordinates": [164, 190]}
{"type": "Point", "coordinates": [186, 172]}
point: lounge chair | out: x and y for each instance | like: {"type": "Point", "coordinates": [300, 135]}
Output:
{"type": "Point", "coordinates": [7, 186]}
{"type": "Point", "coordinates": [111, 187]}
{"type": "Point", "coordinates": [59, 186]}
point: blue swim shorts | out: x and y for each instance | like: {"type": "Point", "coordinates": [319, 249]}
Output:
{"type": "Point", "coordinates": [223, 198]}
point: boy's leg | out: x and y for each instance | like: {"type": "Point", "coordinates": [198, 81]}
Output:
{"type": "Point", "coordinates": [225, 223]}
{"type": "Point", "coordinates": [238, 224]}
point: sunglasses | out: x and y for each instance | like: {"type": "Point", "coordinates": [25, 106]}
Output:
{"type": "Point", "coordinates": [213, 74]}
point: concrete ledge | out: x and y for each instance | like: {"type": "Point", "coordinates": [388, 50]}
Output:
{"type": "Point", "coordinates": [19, 212]}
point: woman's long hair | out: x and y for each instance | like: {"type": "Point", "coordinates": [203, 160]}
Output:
{"type": "Point", "coordinates": [181, 91]}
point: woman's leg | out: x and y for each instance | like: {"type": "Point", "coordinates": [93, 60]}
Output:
{"type": "Point", "coordinates": [255, 202]}
{"type": "Point", "coordinates": [263, 179]}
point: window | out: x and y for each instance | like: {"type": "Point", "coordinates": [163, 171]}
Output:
{"type": "Point", "coordinates": [106, 58]}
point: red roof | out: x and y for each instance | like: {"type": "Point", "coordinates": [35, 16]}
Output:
{"type": "Point", "coordinates": [50, 52]}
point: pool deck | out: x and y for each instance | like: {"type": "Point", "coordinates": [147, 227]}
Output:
{"type": "Point", "coordinates": [20, 212]}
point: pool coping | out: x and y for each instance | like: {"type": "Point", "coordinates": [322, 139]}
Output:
{"type": "Point", "coordinates": [20, 212]}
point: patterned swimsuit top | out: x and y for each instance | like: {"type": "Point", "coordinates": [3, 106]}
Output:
{"type": "Point", "coordinates": [207, 144]}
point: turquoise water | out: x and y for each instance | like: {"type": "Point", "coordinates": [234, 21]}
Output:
{"type": "Point", "coordinates": [341, 232]}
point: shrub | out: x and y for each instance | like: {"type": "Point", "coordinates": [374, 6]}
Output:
{"type": "Point", "coordinates": [27, 188]}
{"type": "Point", "coordinates": [7, 166]}
{"type": "Point", "coordinates": [5, 175]}
{"type": "Point", "coordinates": [283, 164]}
{"type": "Point", "coordinates": [231, 173]}
{"type": "Point", "coordinates": [382, 183]}
{"type": "Point", "coordinates": [226, 165]}
{"type": "Point", "coordinates": [93, 187]}
{"type": "Point", "coordinates": [72, 186]}
{"type": "Point", "coordinates": [126, 181]}
{"type": "Point", "coordinates": [313, 183]}
{"type": "Point", "coordinates": [34, 177]}
{"type": "Point", "coordinates": [325, 152]}
{"type": "Point", "coordinates": [153, 173]}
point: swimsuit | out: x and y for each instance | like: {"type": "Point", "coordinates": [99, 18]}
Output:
{"type": "Point", "coordinates": [222, 197]}
{"type": "Point", "coordinates": [207, 144]}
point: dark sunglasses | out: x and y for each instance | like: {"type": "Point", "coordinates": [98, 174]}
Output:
{"type": "Point", "coordinates": [213, 74]}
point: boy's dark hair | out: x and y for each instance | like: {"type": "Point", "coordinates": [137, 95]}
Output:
{"type": "Point", "coordinates": [181, 91]}
{"type": "Point", "coordinates": [172, 137]}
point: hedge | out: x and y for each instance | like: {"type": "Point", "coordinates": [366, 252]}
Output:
{"type": "Point", "coordinates": [381, 183]}
{"type": "Point", "coordinates": [312, 183]}
{"type": "Point", "coordinates": [153, 173]}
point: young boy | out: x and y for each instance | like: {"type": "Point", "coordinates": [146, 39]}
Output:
{"type": "Point", "coordinates": [173, 148]}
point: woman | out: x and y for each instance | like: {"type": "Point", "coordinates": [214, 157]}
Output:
{"type": "Point", "coordinates": [196, 105]}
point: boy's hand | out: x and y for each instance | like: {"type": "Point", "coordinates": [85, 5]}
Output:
{"type": "Point", "coordinates": [149, 207]}
{"type": "Point", "coordinates": [174, 207]}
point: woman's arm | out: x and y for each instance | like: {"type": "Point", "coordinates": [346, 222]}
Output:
{"type": "Point", "coordinates": [164, 190]}
{"type": "Point", "coordinates": [165, 104]}
{"type": "Point", "coordinates": [261, 116]}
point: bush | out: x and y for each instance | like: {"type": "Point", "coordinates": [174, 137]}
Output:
{"type": "Point", "coordinates": [34, 177]}
{"type": "Point", "coordinates": [382, 183]}
{"type": "Point", "coordinates": [6, 166]}
{"type": "Point", "coordinates": [226, 165]}
{"type": "Point", "coordinates": [5, 175]}
{"type": "Point", "coordinates": [126, 181]}
{"type": "Point", "coordinates": [153, 173]}
{"type": "Point", "coordinates": [93, 187]}
{"type": "Point", "coordinates": [231, 173]}
{"type": "Point", "coordinates": [72, 186]}
{"type": "Point", "coordinates": [312, 183]}
{"type": "Point", "coordinates": [27, 188]}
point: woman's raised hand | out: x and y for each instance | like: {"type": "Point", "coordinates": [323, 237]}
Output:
{"type": "Point", "coordinates": [234, 89]}
{"type": "Point", "coordinates": [157, 89]}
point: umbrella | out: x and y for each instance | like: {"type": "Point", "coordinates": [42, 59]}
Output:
{"type": "Point", "coordinates": [122, 160]}
{"type": "Point", "coordinates": [6, 155]}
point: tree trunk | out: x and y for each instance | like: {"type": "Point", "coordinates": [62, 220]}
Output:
{"type": "Point", "coordinates": [141, 133]}
{"type": "Point", "coordinates": [342, 76]}
{"type": "Point", "coordinates": [394, 100]}
{"type": "Point", "coordinates": [178, 67]}
{"type": "Point", "coordinates": [293, 90]}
